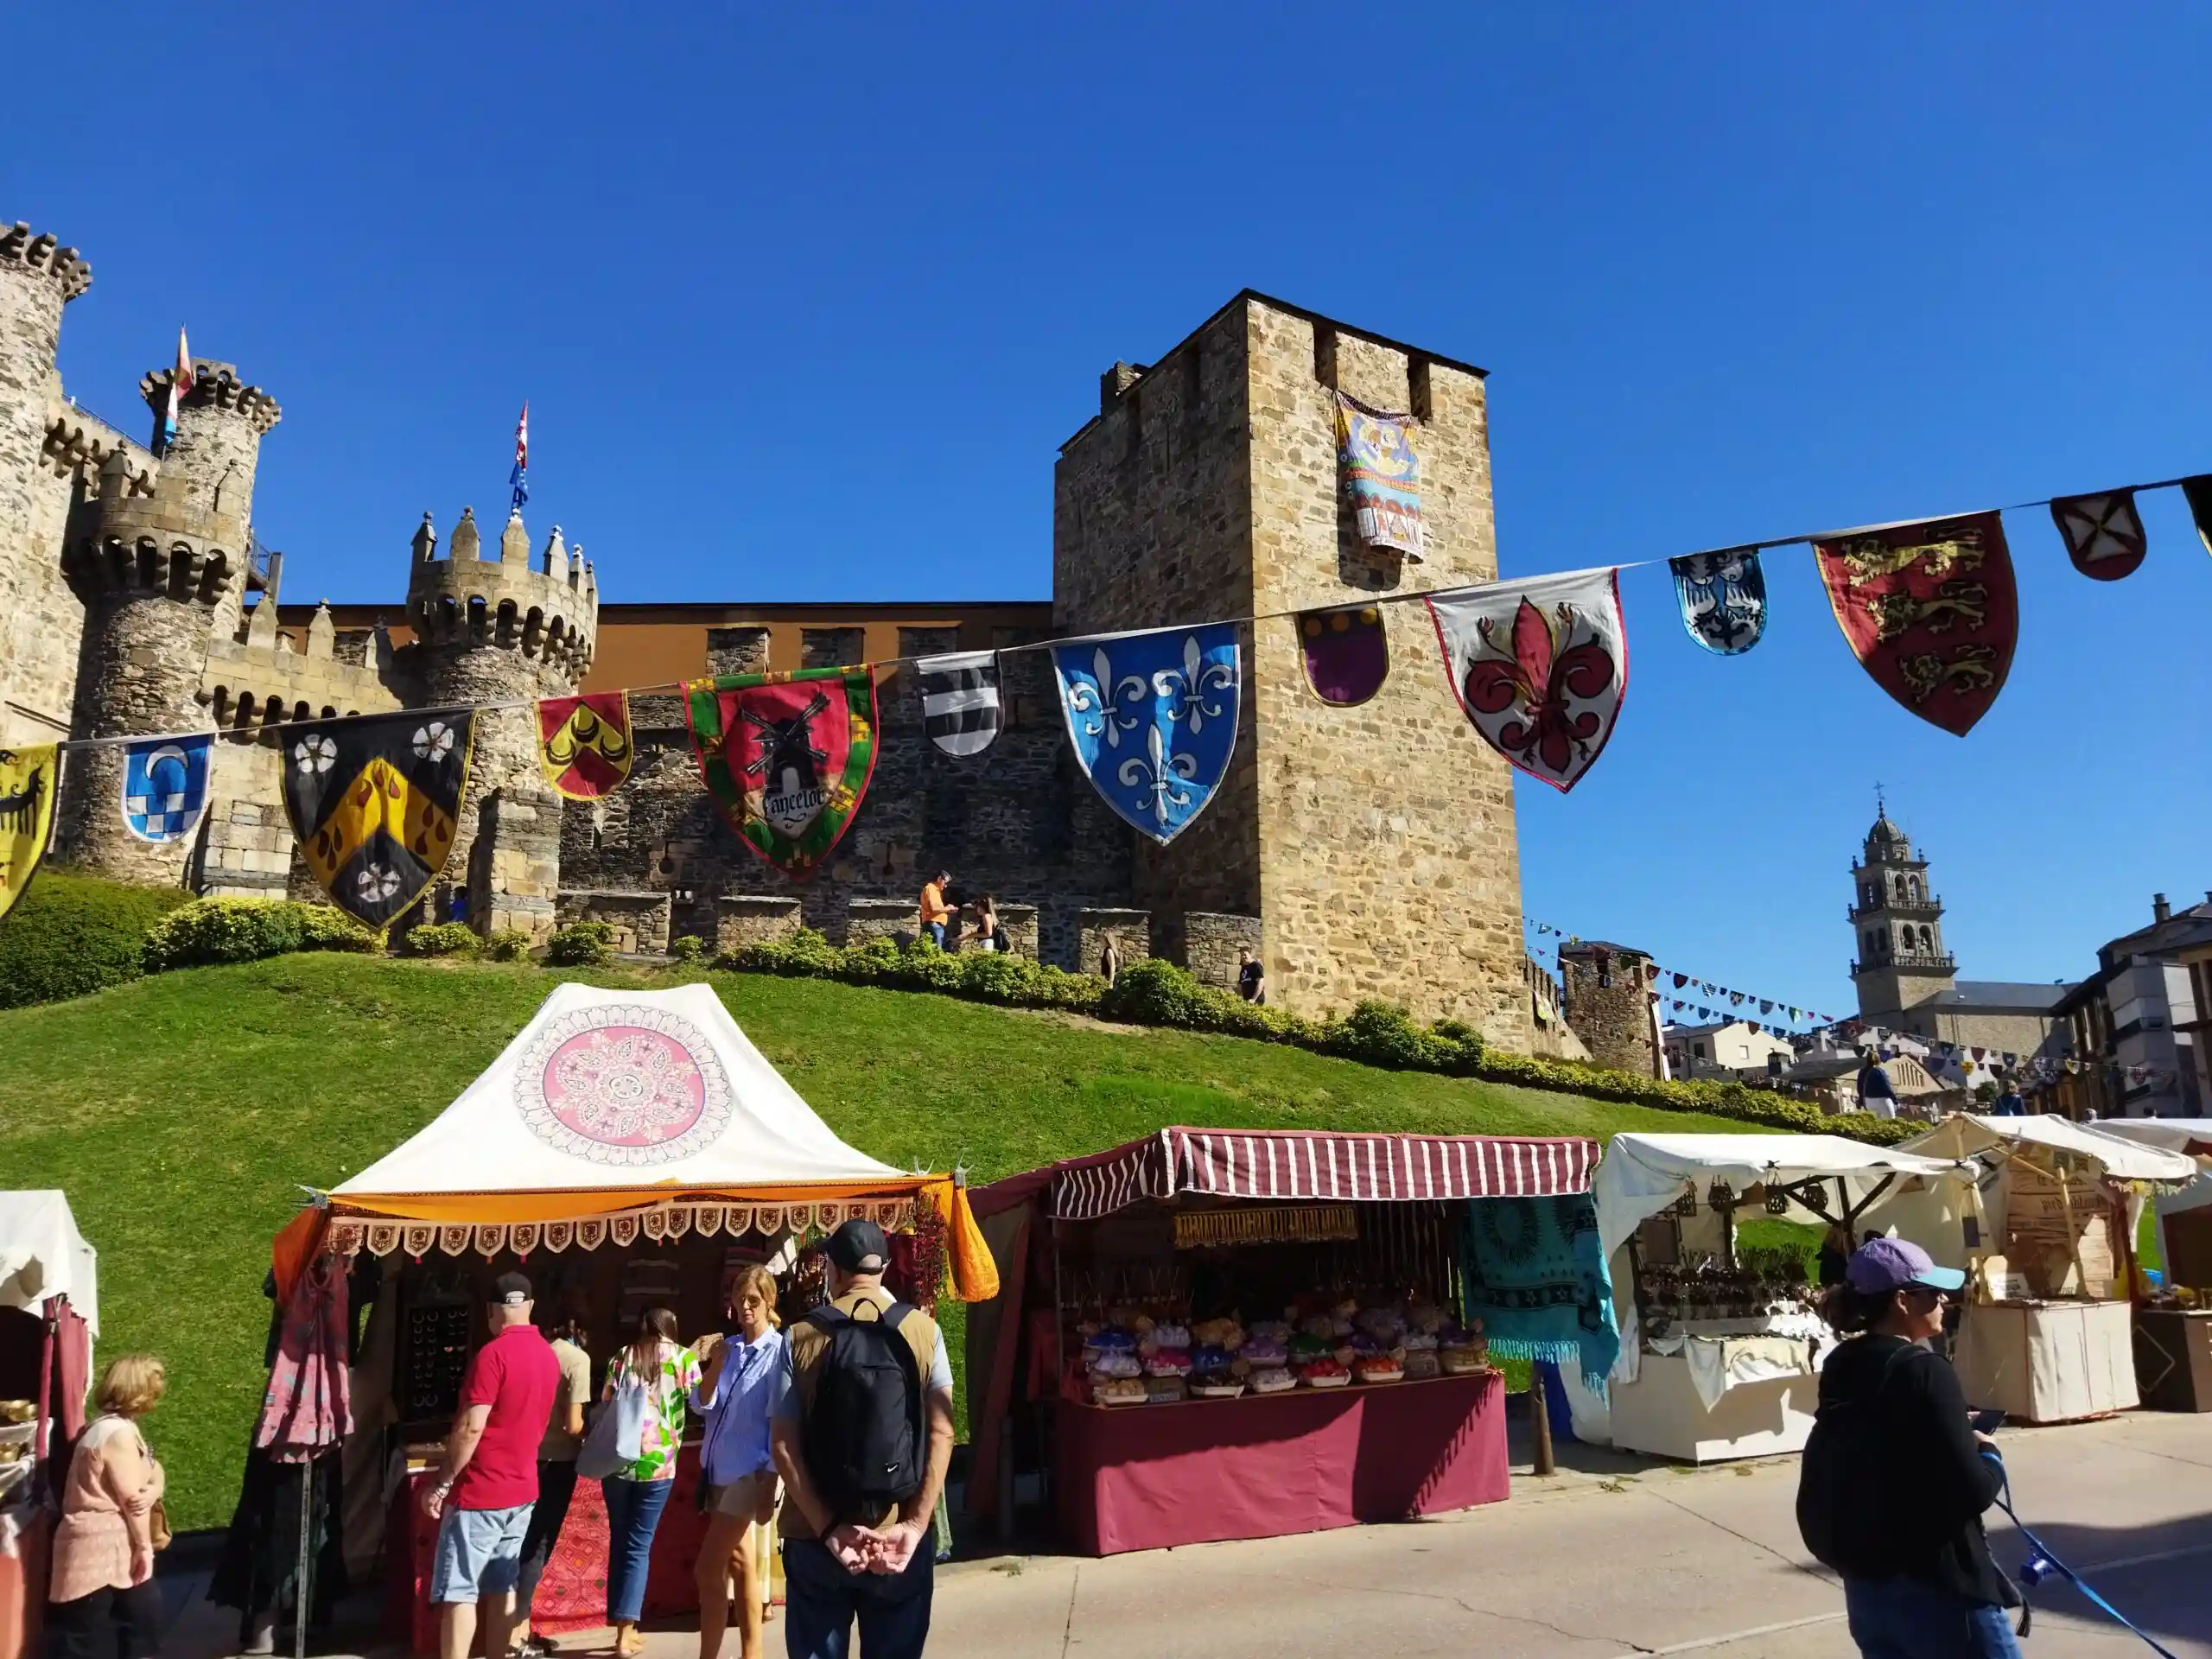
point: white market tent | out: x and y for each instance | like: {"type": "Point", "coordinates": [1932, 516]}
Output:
{"type": "Point", "coordinates": [2187, 1248]}
{"type": "Point", "coordinates": [1966, 1134]}
{"type": "Point", "coordinates": [43, 1255]}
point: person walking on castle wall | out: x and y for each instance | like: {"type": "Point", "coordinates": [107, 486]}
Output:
{"type": "Point", "coordinates": [665, 1373]}
{"type": "Point", "coordinates": [102, 1553]}
{"type": "Point", "coordinates": [557, 1466]}
{"type": "Point", "coordinates": [487, 1486]}
{"type": "Point", "coordinates": [936, 914]}
{"type": "Point", "coordinates": [862, 1437]}
{"type": "Point", "coordinates": [1109, 961]}
{"type": "Point", "coordinates": [1251, 978]}
{"type": "Point", "coordinates": [987, 931]}
{"type": "Point", "coordinates": [737, 1471]}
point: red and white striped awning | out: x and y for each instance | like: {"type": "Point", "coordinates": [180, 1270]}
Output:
{"type": "Point", "coordinates": [1306, 1164]}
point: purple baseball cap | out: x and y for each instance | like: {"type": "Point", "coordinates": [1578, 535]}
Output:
{"type": "Point", "coordinates": [1882, 1265]}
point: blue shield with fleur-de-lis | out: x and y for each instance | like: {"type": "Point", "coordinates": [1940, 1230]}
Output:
{"type": "Point", "coordinates": [1152, 717]}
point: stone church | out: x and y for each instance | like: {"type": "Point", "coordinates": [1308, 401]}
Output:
{"type": "Point", "coordinates": [1363, 852]}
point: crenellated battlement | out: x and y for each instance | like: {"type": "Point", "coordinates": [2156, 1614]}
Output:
{"type": "Point", "coordinates": [130, 543]}
{"type": "Point", "coordinates": [76, 441]}
{"type": "Point", "coordinates": [214, 386]}
{"type": "Point", "coordinates": [42, 252]}
{"type": "Point", "coordinates": [546, 609]}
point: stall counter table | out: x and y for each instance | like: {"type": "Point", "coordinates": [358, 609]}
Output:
{"type": "Point", "coordinates": [1152, 1477]}
{"type": "Point", "coordinates": [1660, 1414]}
{"type": "Point", "coordinates": [572, 1596]}
{"type": "Point", "coordinates": [2047, 1361]}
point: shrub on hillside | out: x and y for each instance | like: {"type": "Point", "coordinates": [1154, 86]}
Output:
{"type": "Point", "coordinates": [209, 932]}
{"type": "Point", "coordinates": [688, 948]}
{"type": "Point", "coordinates": [70, 935]}
{"type": "Point", "coordinates": [441, 939]}
{"type": "Point", "coordinates": [507, 944]}
{"type": "Point", "coordinates": [581, 944]}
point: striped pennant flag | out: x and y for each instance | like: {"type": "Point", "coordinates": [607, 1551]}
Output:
{"type": "Point", "coordinates": [960, 700]}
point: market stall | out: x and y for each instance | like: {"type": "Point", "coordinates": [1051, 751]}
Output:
{"type": "Point", "coordinates": [628, 1149]}
{"type": "Point", "coordinates": [1721, 1345]}
{"type": "Point", "coordinates": [50, 1316]}
{"type": "Point", "coordinates": [2173, 1319]}
{"type": "Point", "coordinates": [2048, 1331]}
{"type": "Point", "coordinates": [1213, 1334]}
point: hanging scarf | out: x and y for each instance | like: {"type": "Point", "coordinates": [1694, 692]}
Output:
{"type": "Point", "coordinates": [306, 1409]}
{"type": "Point", "coordinates": [1535, 1274]}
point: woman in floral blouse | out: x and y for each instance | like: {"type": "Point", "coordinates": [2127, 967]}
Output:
{"type": "Point", "coordinates": [635, 1497]}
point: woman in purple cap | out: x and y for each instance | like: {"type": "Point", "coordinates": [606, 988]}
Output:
{"type": "Point", "coordinates": [1894, 1481]}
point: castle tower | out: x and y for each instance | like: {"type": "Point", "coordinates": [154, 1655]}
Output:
{"type": "Point", "coordinates": [1607, 990]}
{"type": "Point", "coordinates": [153, 572]}
{"type": "Point", "coordinates": [220, 422]}
{"type": "Point", "coordinates": [41, 620]}
{"type": "Point", "coordinates": [496, 630]}
{"type": "Point", "coordinates": [1899, 921]}
{"type": "Point", "coordinates": [1375, 844]}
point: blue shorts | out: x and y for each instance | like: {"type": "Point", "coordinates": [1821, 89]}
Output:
{"type": "Point", "coordinates": [479, 1552]}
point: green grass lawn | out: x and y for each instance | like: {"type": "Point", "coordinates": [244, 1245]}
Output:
{"type": "Point", "coordinates": [183, 1113]}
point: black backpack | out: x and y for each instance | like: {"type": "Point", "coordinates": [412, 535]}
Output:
{"type": "Point", "coordinates": [1843, 1506]}
{"type": "Point", "coordinates": [864, 1434]}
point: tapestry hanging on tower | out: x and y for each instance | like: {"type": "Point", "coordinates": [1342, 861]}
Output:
{"type": "Point", "coordinates": [1381, 472]}
{"type": "Point", "coordinates": [1153, 719]}
{"type": "Point", "coordinates": [786, 756]}
{"type": "Point", "coordinates": [1540, 667]}
{"type": "Point", "coordinates": [375, 802]}
{"type": "Point", "coordinates": [583, 743]}
{"type": "Point", "coordinates": [1533, 1272]}
{"type": "Point", "coordinates": [27, 782]}
{"type": "Point", "coordinates": [960, 700]}
{"type": "Point", "coordinates": [2103, 533]}
{"type": "Point", "coordinates": [2198, 492]}
{"type": "Point", "coordinates": [1347, 653]}
{"type": "Point", "coordinates": [1930, 610]}
{"type": "Point", "coordinates": [165, 785]}
{"type": "Point", "coordinates": [1723, 598]}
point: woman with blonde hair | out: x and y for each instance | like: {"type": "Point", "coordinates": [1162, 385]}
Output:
{"type": "Point", "coordinates": [666, 1372]}
{"type": "Point", "coordinates": [736, 1396]}
{"type": "Point", "coordinates": [104, 1548]}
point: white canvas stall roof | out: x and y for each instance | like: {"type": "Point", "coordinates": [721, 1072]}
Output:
{"type": "Point", "coordinates": [1966, 1133]}
{"type": "Point", "coordinates": [1643, 1174]}
{"type": "Point", "coordinates": [2174, 1134]}
{"type": "Point", "coordinates": [621, 1091]}
{"type": "Point", "coordinates": [43, 1255]}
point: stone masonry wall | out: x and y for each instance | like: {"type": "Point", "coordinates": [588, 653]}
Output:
{"type": "Point", "coordinates": [1388, 855]}
{"type": "Point", "coordinates": [1212, 947]}
{"type": "Point", "coordinates": [640, 920]}
{"type": "Point", "coordinates": [1608, 995]}
{"type": "Point", "coordinates": [1130, 930]}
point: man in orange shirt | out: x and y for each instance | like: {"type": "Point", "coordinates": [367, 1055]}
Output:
{"type": "Point", "coordinates": [935, 913]}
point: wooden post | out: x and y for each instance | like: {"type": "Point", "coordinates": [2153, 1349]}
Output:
{"type": "Point", "coordinates": [1540, 1415]}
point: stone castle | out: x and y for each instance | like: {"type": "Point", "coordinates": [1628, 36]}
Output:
{"type": "Point", "coordinates": [1363, 852]}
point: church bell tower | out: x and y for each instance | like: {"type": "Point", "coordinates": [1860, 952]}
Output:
{"type": "Point", "coordinates": [1899, 922]}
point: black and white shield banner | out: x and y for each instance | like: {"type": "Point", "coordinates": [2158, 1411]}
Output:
{"type": "Point", "coordinates": [960, 700]}
{"type": "Point", "coordinates": [2103, 533]}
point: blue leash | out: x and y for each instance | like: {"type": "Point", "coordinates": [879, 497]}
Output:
{"type": "Point", "coordinates": [2043, 1561]}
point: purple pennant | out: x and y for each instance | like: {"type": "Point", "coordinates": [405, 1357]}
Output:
{"type": "Point", "coordinates": [1347, 652]}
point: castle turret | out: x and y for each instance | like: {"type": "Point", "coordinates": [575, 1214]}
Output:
{"type": "Point", "coordinates": [215, 452]}
{"type": "Point", "coordinates": [1608, 994]}
{"type": "Point", "coordinates": [152, 572]}
{"type": "Point", "coordinates": [40, 619]}
{"type": "Point", "coordinates": [496, 631]}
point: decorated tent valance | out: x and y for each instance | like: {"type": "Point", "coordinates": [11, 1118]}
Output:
{"type": "Point", "coordinates": [1297, 1164]}
{"type": "Point", "coordinates": [663, 1224]}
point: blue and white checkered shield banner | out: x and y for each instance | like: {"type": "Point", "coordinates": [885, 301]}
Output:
{"type": "Point", "coordinates": [1152, 717]}
{"type": "Point", "coordinates": [165, 785]}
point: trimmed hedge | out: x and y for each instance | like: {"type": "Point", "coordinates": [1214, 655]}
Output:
{"type": "Point", "coordinates": [71, 935]}
{"type": "Point", "coordinates": [209, 932]}
{"type": "Point", "coordinates": [507, 944]}
{"type": "Point", "coordinates": [1154, 993]}
{"type": "Point", "coordinates": [581, 944]}
{"type": "Point", "coordinates": [440, 939]}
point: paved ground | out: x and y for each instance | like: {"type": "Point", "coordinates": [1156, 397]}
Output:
{"type": "Point", "coordinates": [1614, 1557]}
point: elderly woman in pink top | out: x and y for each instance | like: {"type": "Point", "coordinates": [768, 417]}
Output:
{"type": "Point", "coordinates": [104, 1548]}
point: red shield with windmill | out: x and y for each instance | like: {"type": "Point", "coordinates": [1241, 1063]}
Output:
{"type": "Point", "coordinates": [787, 758]}
{"type": "Point", "coordinates": [1540, 667]}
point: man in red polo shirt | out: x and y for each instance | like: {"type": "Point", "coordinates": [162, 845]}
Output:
{"type": "Point", "coordinates": [482, 1498]}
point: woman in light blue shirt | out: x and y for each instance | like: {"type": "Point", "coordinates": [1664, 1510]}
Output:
{"type": "Point", "coordinates": [735, 1396]}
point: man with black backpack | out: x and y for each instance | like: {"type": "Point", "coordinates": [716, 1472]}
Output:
{"type": "Point", "coordinates": [862, 1435]}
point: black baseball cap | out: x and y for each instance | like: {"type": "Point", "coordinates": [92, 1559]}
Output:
{"type": "Point", "coordinates": [859, 1247]}
{"type": "Point", "coordinates": [511, 1289]}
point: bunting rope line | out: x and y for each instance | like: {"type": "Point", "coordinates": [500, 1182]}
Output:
{"type": "Point", "coordinates": [1800, 1014]}
{"type": "Point", "coordinates": [1806, 538]}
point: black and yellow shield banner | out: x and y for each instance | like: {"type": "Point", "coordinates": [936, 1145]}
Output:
{"type": "Point", "coordinates": [375, 802]}
{"type": "Point", "coordinates": [27, 790]}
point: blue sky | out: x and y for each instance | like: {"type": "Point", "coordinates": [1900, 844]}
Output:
{"type": "Point", "coordinates": [804, 306]}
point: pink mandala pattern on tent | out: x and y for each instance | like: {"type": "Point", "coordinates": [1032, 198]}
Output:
{"type": "Point", "coordinates": [625, 1086]}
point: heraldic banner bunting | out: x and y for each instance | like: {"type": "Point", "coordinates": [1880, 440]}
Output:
{"type": "Point", "coordinates": [2103, 533]}
{"type": "Point", "coordinates": [375, 802]}
{"type": "Point", "coordinates": [1381, 472]}
{"type": "Point", "coordinates": [1930, 610]}
{"type": "Point", "coordinates": [165, 785]}
{"type": "Point", "coordinates": [1540, 667]}
{"type": "Point", "coordinates": [1153, 720]}
{"type": "Point", "coordinates": [26, 785]}
{"type": "Point", "coordinates": [1347, 652]}
{"type": "Point", "coordinates": [583, 743]}
{"type": "Point", "coordinates": [786, 756]}
{"type": "Point", "coordinates": [1723, 598]}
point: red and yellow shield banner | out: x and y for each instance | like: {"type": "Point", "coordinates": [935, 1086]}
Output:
{"type": "Point", "coordinates": [583, 743]}
{"type": "Point", "coordinates": [1931, 611]}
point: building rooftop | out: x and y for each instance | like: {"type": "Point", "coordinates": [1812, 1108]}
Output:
{"type": "Point", "coordinates": [1999, 996]}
